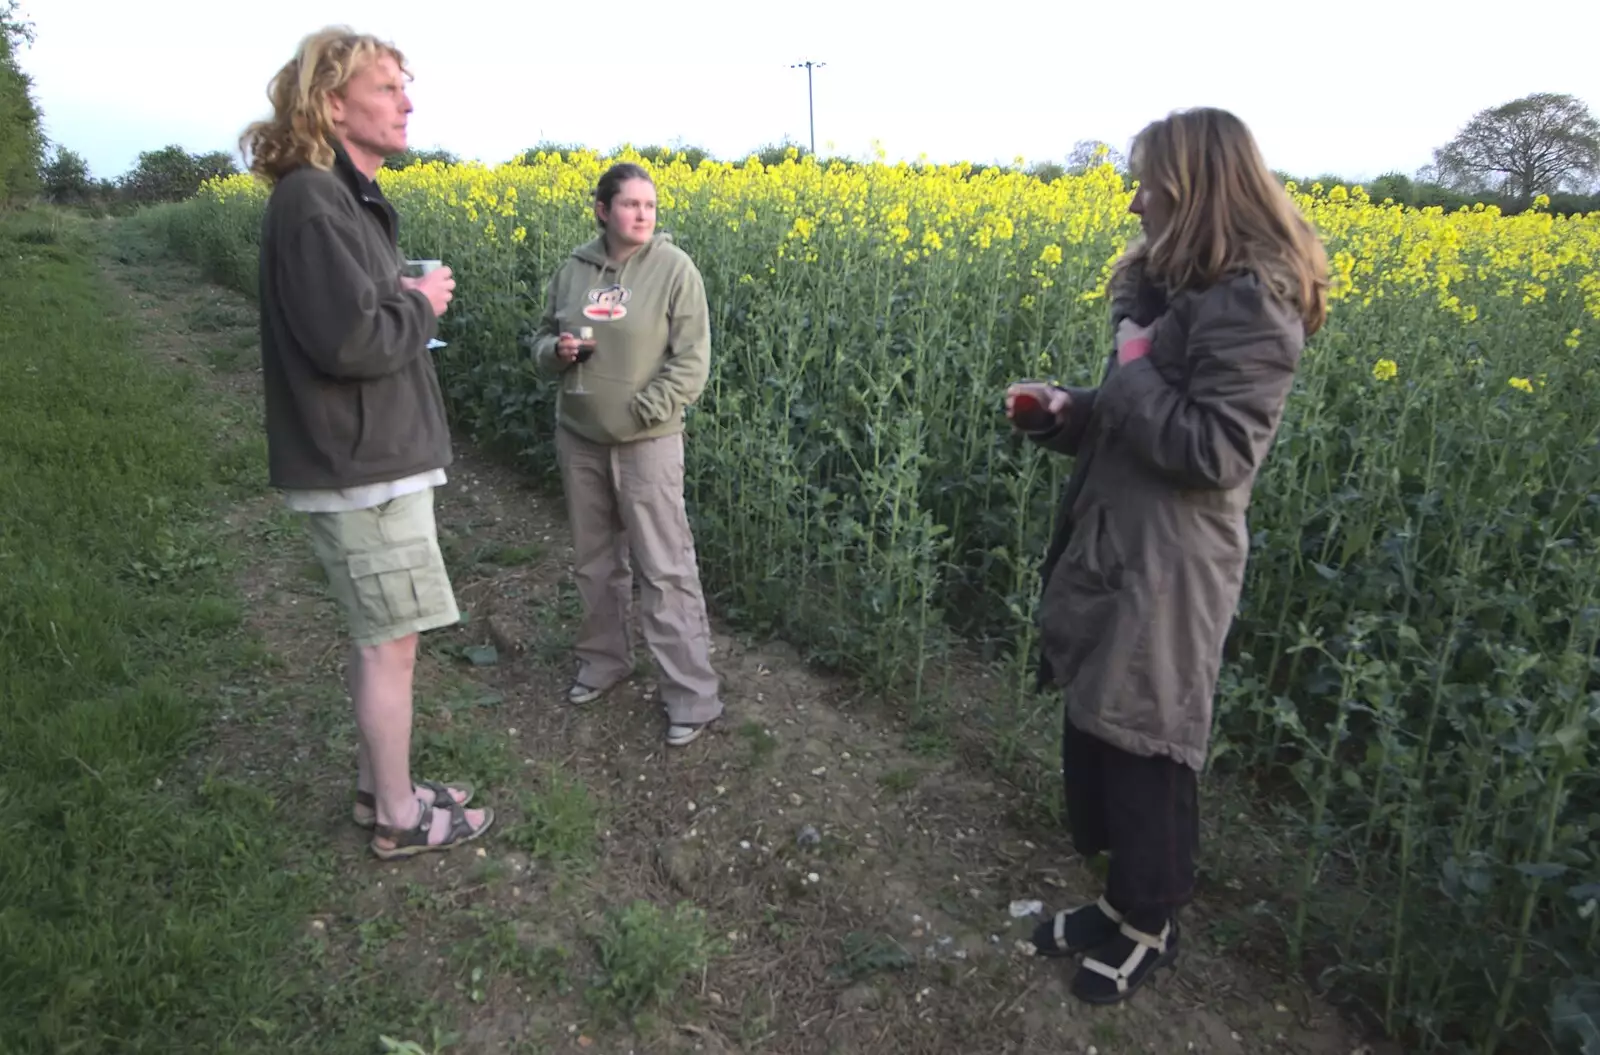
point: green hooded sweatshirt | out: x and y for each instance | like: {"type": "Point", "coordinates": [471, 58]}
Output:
{"type": "Point", "coordinates": [652, 340]}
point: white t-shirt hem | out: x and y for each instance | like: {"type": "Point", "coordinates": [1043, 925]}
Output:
{"type": "Point", "coordinates": [350, 499]}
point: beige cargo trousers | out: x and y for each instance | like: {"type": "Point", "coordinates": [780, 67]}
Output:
{"type": "Point", "coordinates": [627, 501]}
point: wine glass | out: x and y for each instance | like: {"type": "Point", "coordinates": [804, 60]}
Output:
{"type": "Point", "coordinates": [417, 269]}
{"type": "Point", "coordinates": [586, 347]}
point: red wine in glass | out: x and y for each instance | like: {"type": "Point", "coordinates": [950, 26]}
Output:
{"type": "Point", "coordinates": [1029, 415]}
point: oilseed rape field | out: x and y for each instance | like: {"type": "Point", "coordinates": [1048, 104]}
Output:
{"type": "Point", "coordinates": [1412, 675]}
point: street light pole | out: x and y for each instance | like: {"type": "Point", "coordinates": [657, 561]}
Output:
{"type": "Point", "coordinates": [811, 105]}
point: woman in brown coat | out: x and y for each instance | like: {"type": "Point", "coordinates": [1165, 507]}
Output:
{"type": "Point", "coordinates": [1211, 306]}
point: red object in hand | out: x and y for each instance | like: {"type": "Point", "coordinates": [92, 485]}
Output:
{"type": "Point", "coordinates": [1028, 414]}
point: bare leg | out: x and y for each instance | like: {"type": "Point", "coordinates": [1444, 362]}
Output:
{"type": "Point", "coordinates": [363, 752]}
{"type": "Point", "coordinates": [352, 680]}
{"type": "Point", "coordinates": [383, 716]}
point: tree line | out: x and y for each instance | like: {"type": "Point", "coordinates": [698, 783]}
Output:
{"type": "Point", "coordinates": [1544, 144]}
{"type": "Point", "coordinates": [21, 138]}
{"type": "Point", "coordinates": [168, 174]}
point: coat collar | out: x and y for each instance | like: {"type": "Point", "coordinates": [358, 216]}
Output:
{"type": "Point", "coordinates": [366, 191]}
{"type": "Point", "coordinates": [353, 177]}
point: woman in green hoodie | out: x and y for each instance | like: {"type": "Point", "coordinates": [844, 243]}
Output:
{"type": "Point", "coordinates": [637, 305]}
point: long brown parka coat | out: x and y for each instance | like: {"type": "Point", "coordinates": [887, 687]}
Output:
{"type": "Point", "coordinates": [1143, 574]}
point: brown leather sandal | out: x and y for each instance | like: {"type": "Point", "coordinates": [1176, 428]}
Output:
{"type": "Point", "coordinates": [365, 812]}
{"type": "Point", "coordinates": [409, 842]}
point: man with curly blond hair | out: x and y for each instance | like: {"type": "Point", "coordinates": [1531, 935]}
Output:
{"type": "Point", "coordinates": [355, 421]}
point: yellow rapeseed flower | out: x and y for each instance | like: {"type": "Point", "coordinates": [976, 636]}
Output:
{"type": "Point", "coordinates": [949, 234]}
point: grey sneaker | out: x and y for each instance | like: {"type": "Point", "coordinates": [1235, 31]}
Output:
{"type": "Point", "coordinates": [679, 735]}
{"type": "Point", "coordinates": [581, 693]}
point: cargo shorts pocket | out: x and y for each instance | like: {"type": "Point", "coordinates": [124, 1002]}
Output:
{"type": "Point", "coordinates": [397, 585]}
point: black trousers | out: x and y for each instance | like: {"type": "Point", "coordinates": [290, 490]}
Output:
{"type": "Point", "coordinates": [1145, 811]}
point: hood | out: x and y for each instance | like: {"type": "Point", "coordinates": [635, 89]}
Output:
{"type": "Point", "coordinates": [594, 250]}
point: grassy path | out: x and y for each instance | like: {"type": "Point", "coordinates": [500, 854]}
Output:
{"type": "Point", "coordinates": [149, 906]}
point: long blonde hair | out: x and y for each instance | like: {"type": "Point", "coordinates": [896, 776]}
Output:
{"type": "Point", "coordinates": [299, 130]}
{"type": "Point", "coordinates": [1229, 213]}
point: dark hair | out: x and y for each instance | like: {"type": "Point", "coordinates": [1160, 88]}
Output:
{"type": "Point", "coordinates": [614, 178]}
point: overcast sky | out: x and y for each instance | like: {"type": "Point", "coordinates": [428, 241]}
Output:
{"type": "Point", "coordinates": [1354, 90]}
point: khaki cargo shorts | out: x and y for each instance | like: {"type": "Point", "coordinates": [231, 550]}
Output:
{"type": "Point", "coordinates": [385, 569]}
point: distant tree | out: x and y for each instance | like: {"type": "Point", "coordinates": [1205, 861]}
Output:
{"type": "Point", "coordinates": [774, 154]}
{"type": "Point", "coordinates": [978, 168]}
{"type": "Point", "coordinates": [172, 174]}
{"type": "Point", "coordinates": [21, 139]}
{"type": "Point", "coordinates": [408, 157]}
{"type": "Point", "coordinates": [692, 154]}
{"type": "Point", "coordinates": [1046, 171]}
{"type": "Point", "coordinates": [65, 178]}
{"type": "Point", "coordinates": [1091, 153]}
{"type": "Point", "coordinates": [216, 164]}
{"type": "Point", "coordinates": [1539, 144]}
{"type": "Point", "coordinates": [1574, 204]}
{"type": "Point", "coordinates": [547, 146]}
{"type": "Point", "coordinates": [1392, 185]}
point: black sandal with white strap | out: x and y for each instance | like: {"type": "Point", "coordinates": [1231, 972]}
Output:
{"type": "Point", "coordinates": [1141, 955]}
{"type": "Point", "coordinates": [365, 811]}
{"type": "Point", "coordinates": [408, 842]}
{"type": "Point", "coordinates": [1078, 930]}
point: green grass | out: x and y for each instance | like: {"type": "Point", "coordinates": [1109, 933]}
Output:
{"type": "Point", "coordinates": [762, 743]}
{"type": "Point", "coordinates": [560, 821]}
{"type": "Point", "coordinates": [899, 781]}
{"type": "Point", "coordinates": [147, 908]}
{"type": "Point", "coordinates": [544, 968]}
{"type": "Point", "coordinates": [513, 556]}
{"type": "Point", "coordinates": [646, 954]}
